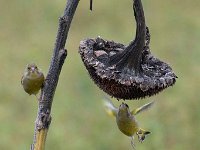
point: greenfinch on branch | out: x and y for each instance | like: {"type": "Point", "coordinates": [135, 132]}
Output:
{"type": "Point", "coordinates": [32, 79]}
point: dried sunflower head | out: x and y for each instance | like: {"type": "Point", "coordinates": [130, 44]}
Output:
{"type": "Point", "coordinates": [127, 72]}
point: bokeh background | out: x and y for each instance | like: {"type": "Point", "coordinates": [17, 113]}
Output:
{"type": "Point", "coordinates": [27, 34]}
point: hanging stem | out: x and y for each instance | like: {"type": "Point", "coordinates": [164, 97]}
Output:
{"type": "Point", "coordinates": [91, 5]}
{"type": "Point", "coordinates": [131, 56]}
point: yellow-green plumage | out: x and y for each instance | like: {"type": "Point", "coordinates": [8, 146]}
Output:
{"type": "Point", "coordinates": [32, 79]}
{"type": "Point", "coordinates": [126, 120]}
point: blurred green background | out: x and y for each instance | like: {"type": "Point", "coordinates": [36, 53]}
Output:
{"type": "Point", "coordinates": [27, 34]}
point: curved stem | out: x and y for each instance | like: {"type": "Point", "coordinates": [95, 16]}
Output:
{"type": "Point", "coordinates": [131, 56]}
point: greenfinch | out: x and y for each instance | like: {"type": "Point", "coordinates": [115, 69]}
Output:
{"type": "Point", "coordinates": [32, 79]}
{"type": "Point", "coordinates": [126, 120]}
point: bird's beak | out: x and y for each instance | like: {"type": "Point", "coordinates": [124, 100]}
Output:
{"type": "Point", "coordinates": [32, 69]}
{"type": "Point", "coordinates": [123, 105]}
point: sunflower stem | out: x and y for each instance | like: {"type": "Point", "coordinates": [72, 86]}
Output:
{"type": "Point", "coordinates": [131, 56]}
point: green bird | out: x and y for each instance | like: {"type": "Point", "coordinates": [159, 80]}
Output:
{"type": "Point", "coordinates": [32, 79]}
{"type": "Point", "coordinates": [126, 120]}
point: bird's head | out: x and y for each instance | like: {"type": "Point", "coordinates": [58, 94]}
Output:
{"type": "Point", "coordinates": [32, 69]}
{"type": "Point", "coordinates": [124, 108]}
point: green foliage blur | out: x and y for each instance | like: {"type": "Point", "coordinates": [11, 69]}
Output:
{"type": "Point", "coordinates": [27, 34]}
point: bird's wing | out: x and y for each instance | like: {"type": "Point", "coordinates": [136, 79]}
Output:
{"type": "Point", "coordinates": [111, 110]}
{"type": "Point", "coordinates": [142, 108]}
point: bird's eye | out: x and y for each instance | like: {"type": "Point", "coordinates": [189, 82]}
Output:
{"type": "Point", "coordinates": [35, 67]}
{"type": "Point", "coordinates": [29, 68]}
{"type": "Point", "coordinates": [127, 106]}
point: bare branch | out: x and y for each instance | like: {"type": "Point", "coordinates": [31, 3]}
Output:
{"type": "Point", "coordinates": [43, 119]}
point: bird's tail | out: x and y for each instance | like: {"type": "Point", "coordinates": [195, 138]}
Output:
{"type": "Point", "coordinates": [142, 134]}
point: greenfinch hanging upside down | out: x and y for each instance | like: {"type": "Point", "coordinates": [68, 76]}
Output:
{"type": "Point", "coordinates": [126, 120]}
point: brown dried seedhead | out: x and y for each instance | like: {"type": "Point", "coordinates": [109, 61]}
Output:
{"type": "Point", "coordinates": [130, 72]}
